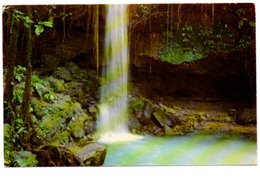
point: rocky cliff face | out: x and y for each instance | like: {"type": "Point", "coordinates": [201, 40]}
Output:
{"type": "Point", "coordinates": [223, 76]}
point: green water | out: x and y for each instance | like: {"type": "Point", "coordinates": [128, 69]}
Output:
{"type": "Point", "coordinates": [184, 150]}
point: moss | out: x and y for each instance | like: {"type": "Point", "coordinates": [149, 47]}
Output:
{"type": "Point", "coordinates": [178, 56]}
{"type": "Point", "coordinates": [57, 84]}
{"type": "Point", "coordinates": [60, 138]}
{"type": "Point", "coordinates": [77, 126]}
{"type": "Point", "coordinates": [171, 110]}
{"type": "Point", "coordinates": [137, 103]}
{"type": "Point", "coordinates": [63, 73]}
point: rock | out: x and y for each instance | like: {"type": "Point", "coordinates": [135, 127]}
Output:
{"type": "Point", "coordinates": [93, 110]}
{"type": "Point", "coordinates": [57, 84]}
{"type": "Point", "coordinates": [161, 118]}
{"type": "Point", "coordinates": [77, 126]}
{"type": "Point", "coordinates": [64, 121]}
{"type": "Point", "coordinates": [142, 109]}
{"type": "Point", "coordinates": [89, 125]}
{"type": "Point", "coordinates": [92, 154]}
{"type": "Point", "coordinates": [74, 89]}
{"type": "Point", "coordinates": [63, 73]}
{"type": "Point", "coordinates": [134, 124]}
{"type": "Point", "coordinates": [173, 131]}
{"type": "Point", "coordinates": [246, 116]}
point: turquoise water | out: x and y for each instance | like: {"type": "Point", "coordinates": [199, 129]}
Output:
{"type": "Point", "coordinates": [183, 150]}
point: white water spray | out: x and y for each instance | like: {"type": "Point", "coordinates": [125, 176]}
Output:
{"type": "Point", "coordinates": [113, 117]}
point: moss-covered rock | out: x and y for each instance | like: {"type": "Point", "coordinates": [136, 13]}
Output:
{"type": "Point", "coordinates": [77, 126]}
{"type": "Point", "coordinates": [65, 121]}
{"type": "Point", "coordinates": [74, 89]}
{"type": "Point", "coordinates": [57, 84]}
{"type": "Point", "coordinates": [63, 73]}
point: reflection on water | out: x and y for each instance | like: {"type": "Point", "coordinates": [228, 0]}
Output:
{"type": "Point", "coordinates": [184, 150]}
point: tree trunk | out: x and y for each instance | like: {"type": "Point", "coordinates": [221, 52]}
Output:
{"type": "Point", "coordinates": [11, 60]}
{"type": "Point", "coordinates": [27, 91]}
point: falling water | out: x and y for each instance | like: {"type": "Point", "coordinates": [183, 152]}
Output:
{"type": "Point", "coordinates": [113, 117]}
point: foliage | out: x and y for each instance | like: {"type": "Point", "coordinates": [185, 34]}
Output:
{"type": "Point", "coordinates": [28, 22]}
{"type": "Point", "coordinates": [18, 93]}
{"type": "Point", "coordinates": [186, 34]}
{"type": "Point", "coordinates": [19, 128]}
{"type": "Point", "coordinates": [19, 73]}
{"type": "Point", "coordinates": [42, 88]}
{"type": "Point", "coordinates": [39, 27]}
{"type": "Point", "coordinates": [8, 144]}
{"type": "Point", "coordinates": [179, 55]}
{"type": "Point", "coordinates": [25, 159]}
{"type": "Point", "coordinates": [137, 103]}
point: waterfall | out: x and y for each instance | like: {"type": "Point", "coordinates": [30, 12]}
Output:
{"type": "Point", "coordinates": [113, 109]}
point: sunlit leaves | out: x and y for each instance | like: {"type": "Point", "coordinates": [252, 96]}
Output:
{"type": "Point", "coordinates": [27, 21]}
{"type": "Point", "coordinates": [48, 24]}
{"type": "Point", "coordinates": [38, 29]}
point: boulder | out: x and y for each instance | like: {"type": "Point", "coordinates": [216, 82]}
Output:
{"type": "Point", "coordinates": [142, 109]}
{"type": "Point", "coordinates": [92, 154]}
{"type": "Point", "coordinates": [162, 119]}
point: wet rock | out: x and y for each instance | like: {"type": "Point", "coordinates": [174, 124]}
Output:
{"type": "Point", "coordinates": [134, 124]}
{"type": "Point", "coordinates": [162, 119]}
{"type": "Point", "coordinates": [92, 154]}
{"type": "Point", "coordinates": [246, 116]}
{"type": "Point", "coordinates": [142, 110]}
{"type": "Point", "coordinates": [152, 129]}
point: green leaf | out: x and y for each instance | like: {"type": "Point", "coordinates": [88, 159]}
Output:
{"type": "Point", "coordinates": [38, 29]}
{"type": "Point", "coordinates": [48, 23]}
{"type": "Point", "coordinates": [27, 21]}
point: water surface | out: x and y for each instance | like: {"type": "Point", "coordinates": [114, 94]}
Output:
{"type": "Point", "coordinates": [183, 150]}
